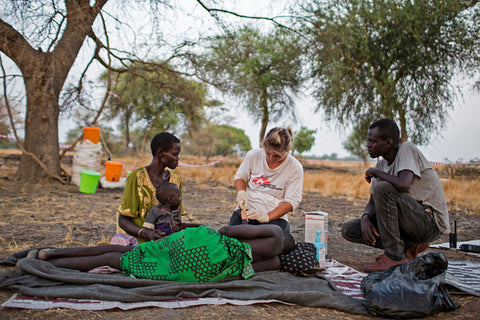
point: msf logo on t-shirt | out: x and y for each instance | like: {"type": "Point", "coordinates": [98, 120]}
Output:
{"type": "Point", "coordinates": [260, 180]}
{"type": "Point", "coordinates": [264, 182]}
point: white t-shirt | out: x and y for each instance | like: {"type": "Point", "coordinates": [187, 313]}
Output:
{"type": "Point", "coordinates": [268, 188]}
{"type": "Point", "coordinates": [426, 187]}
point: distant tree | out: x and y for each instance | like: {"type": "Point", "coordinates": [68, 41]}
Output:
{"type": "Point", "coordinates": [212, 140]}
{"type": "Point", "coordinates": [395, 59]}
{"type": "Point", "coordinates": [356, 143]}
{"type": "Point", "coordinates": [332, 156]}
{"type": "Point", "coordinates": [303, 140]}
{"type": "Point", "coordinates": [6, 122]}
{"type": "Point", "coordinates": [230, 140]}
{"type": "Point", "coordinates": [264, 71]}
{"type": "Point", "coordinates": [158, 96]}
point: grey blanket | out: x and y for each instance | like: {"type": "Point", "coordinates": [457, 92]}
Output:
{"type": "Point", "coordinates": [42, 279]}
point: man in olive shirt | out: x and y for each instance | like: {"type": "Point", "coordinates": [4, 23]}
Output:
{"type": "Point", "coordinates": [407, 208]}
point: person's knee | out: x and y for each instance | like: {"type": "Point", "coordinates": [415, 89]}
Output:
{"type": "Point", "coordinates": [275, 231]}
{"type": "Point", "coordinates": [350, 230]}
{"type": "Point", "coordinates": [345, 231]}
{"type": "Point", "coordinates": [382, 188]}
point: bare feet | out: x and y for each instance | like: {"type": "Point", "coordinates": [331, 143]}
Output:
{"type": "Point", "coordinates": [412, 251]}
{"type": "Point", "coordinates": [33, 254]}
{"type": "Point", "coordinates": [45, 254]}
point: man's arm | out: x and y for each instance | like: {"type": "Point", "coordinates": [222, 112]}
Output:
{"type": "Point", "coordinates": [402, 182]}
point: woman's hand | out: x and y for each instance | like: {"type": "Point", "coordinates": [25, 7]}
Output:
{"type": "Point", "coordinates": [149, 234]}
{"type": "Point", "coordinates": [242, 199]}
{"type": "Point", "coordinates": [259, 216]}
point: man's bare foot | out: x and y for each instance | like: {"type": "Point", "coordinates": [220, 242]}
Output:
{"type": "Point", "coordinates": [45, 254]}
{"type": "Point", "coordinates": [33, 254]}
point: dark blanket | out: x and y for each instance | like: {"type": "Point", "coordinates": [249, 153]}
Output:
{"type": "Point", "coordinates": [42, 279]}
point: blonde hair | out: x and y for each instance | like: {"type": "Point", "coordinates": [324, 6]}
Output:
{"type": "Point", "coordinates": [280, 139]}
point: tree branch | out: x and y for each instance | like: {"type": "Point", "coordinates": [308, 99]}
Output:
{"type": "Point", "coordinates": [14, 45]}
{"type": "Point", "coordinates": [213, 11]}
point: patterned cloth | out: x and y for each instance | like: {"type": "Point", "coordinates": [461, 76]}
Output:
{"type": "Point", "coordinates": [192, 255]}
{"type": "Point", "coordinates": [124, 240]}
{"type": "Point", "coordinates": [301, 261]}
{"type": "Point", "coordinates": [139, 196]}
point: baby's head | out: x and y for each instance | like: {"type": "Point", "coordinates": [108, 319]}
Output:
{"type": "Point", "coordinates": [168, 194]}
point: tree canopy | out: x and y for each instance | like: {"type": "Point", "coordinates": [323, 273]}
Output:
{"type": "Point", "coordinates": [263, 70]}
{"type": "Point", "coordinates": [303, 140]}
{"type": "Point", "coordinates": [391, 58]}
{"type": "Point", "coordinates": [356, 143]}
{"type": "Point", "coordinates": [158, 97]}
{"type": "Point", "coordinates": [212, 140]}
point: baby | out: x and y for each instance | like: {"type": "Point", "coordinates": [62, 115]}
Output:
{"type": "Point", "coordinates": [165, 217]}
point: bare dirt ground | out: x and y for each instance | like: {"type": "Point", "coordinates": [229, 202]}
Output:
{"type": "Point", "coordinates": [55, 215]}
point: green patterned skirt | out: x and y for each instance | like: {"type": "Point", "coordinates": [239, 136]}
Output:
{"type": "Point", "coordinates": [192, 255]}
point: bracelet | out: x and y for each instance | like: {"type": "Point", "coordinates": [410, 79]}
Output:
{"type": "Point", "coordinates": [140, 231]}
{"type": "Point", "coordinates": [365, 214]}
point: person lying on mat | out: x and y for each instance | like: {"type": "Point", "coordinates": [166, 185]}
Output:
{"type": "Point", "coordinates": [192, 255]}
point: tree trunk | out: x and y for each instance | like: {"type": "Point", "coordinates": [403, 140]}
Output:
{"type": "Point", "coordinates": [265, 119]}
{"type": "Point", "coordinates": [127, 129]}
{"type": "Point", "coordinates": [403, 125]}
{"type": "Point", "coordinates": [41, 128]}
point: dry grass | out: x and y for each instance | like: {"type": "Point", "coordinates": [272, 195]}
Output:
{"type": "Point", "coordinates": [463, 193]}
{"type": "Point", "coordinates": [329, 178]}
{"type": "Point", "coordinates": [331, 183]}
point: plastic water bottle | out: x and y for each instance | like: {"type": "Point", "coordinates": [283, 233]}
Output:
{"type": "Point", "coordinates": [320, 248]}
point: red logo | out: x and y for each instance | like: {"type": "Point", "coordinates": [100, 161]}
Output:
{"type": "Point", "coordinates": [260, 180]}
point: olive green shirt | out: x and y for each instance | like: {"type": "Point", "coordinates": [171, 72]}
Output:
{"type": "Point", "coordinates": [139, 196]}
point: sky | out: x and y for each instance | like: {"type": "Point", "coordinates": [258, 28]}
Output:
{"type": "Point", "coordinates": [459, 141]}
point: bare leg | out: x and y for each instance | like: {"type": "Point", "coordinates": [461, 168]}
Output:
{"type": "Point", "coordinates": [266, 265]}
{"type": "Point", "coordinates": [266, 242]}
{"type": "Point", "coordinates": [47, 254]}
{"type": "Point", "coordinates": [85, 258]}
{"type": "Point", "coordinates": [85, 263]}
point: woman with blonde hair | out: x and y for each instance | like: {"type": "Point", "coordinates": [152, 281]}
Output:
{"type": "Point", "coordinates": [269, 182]}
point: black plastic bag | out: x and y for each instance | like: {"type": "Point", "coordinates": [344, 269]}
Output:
{"type": "Point", "coordinates": [413, 289]}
